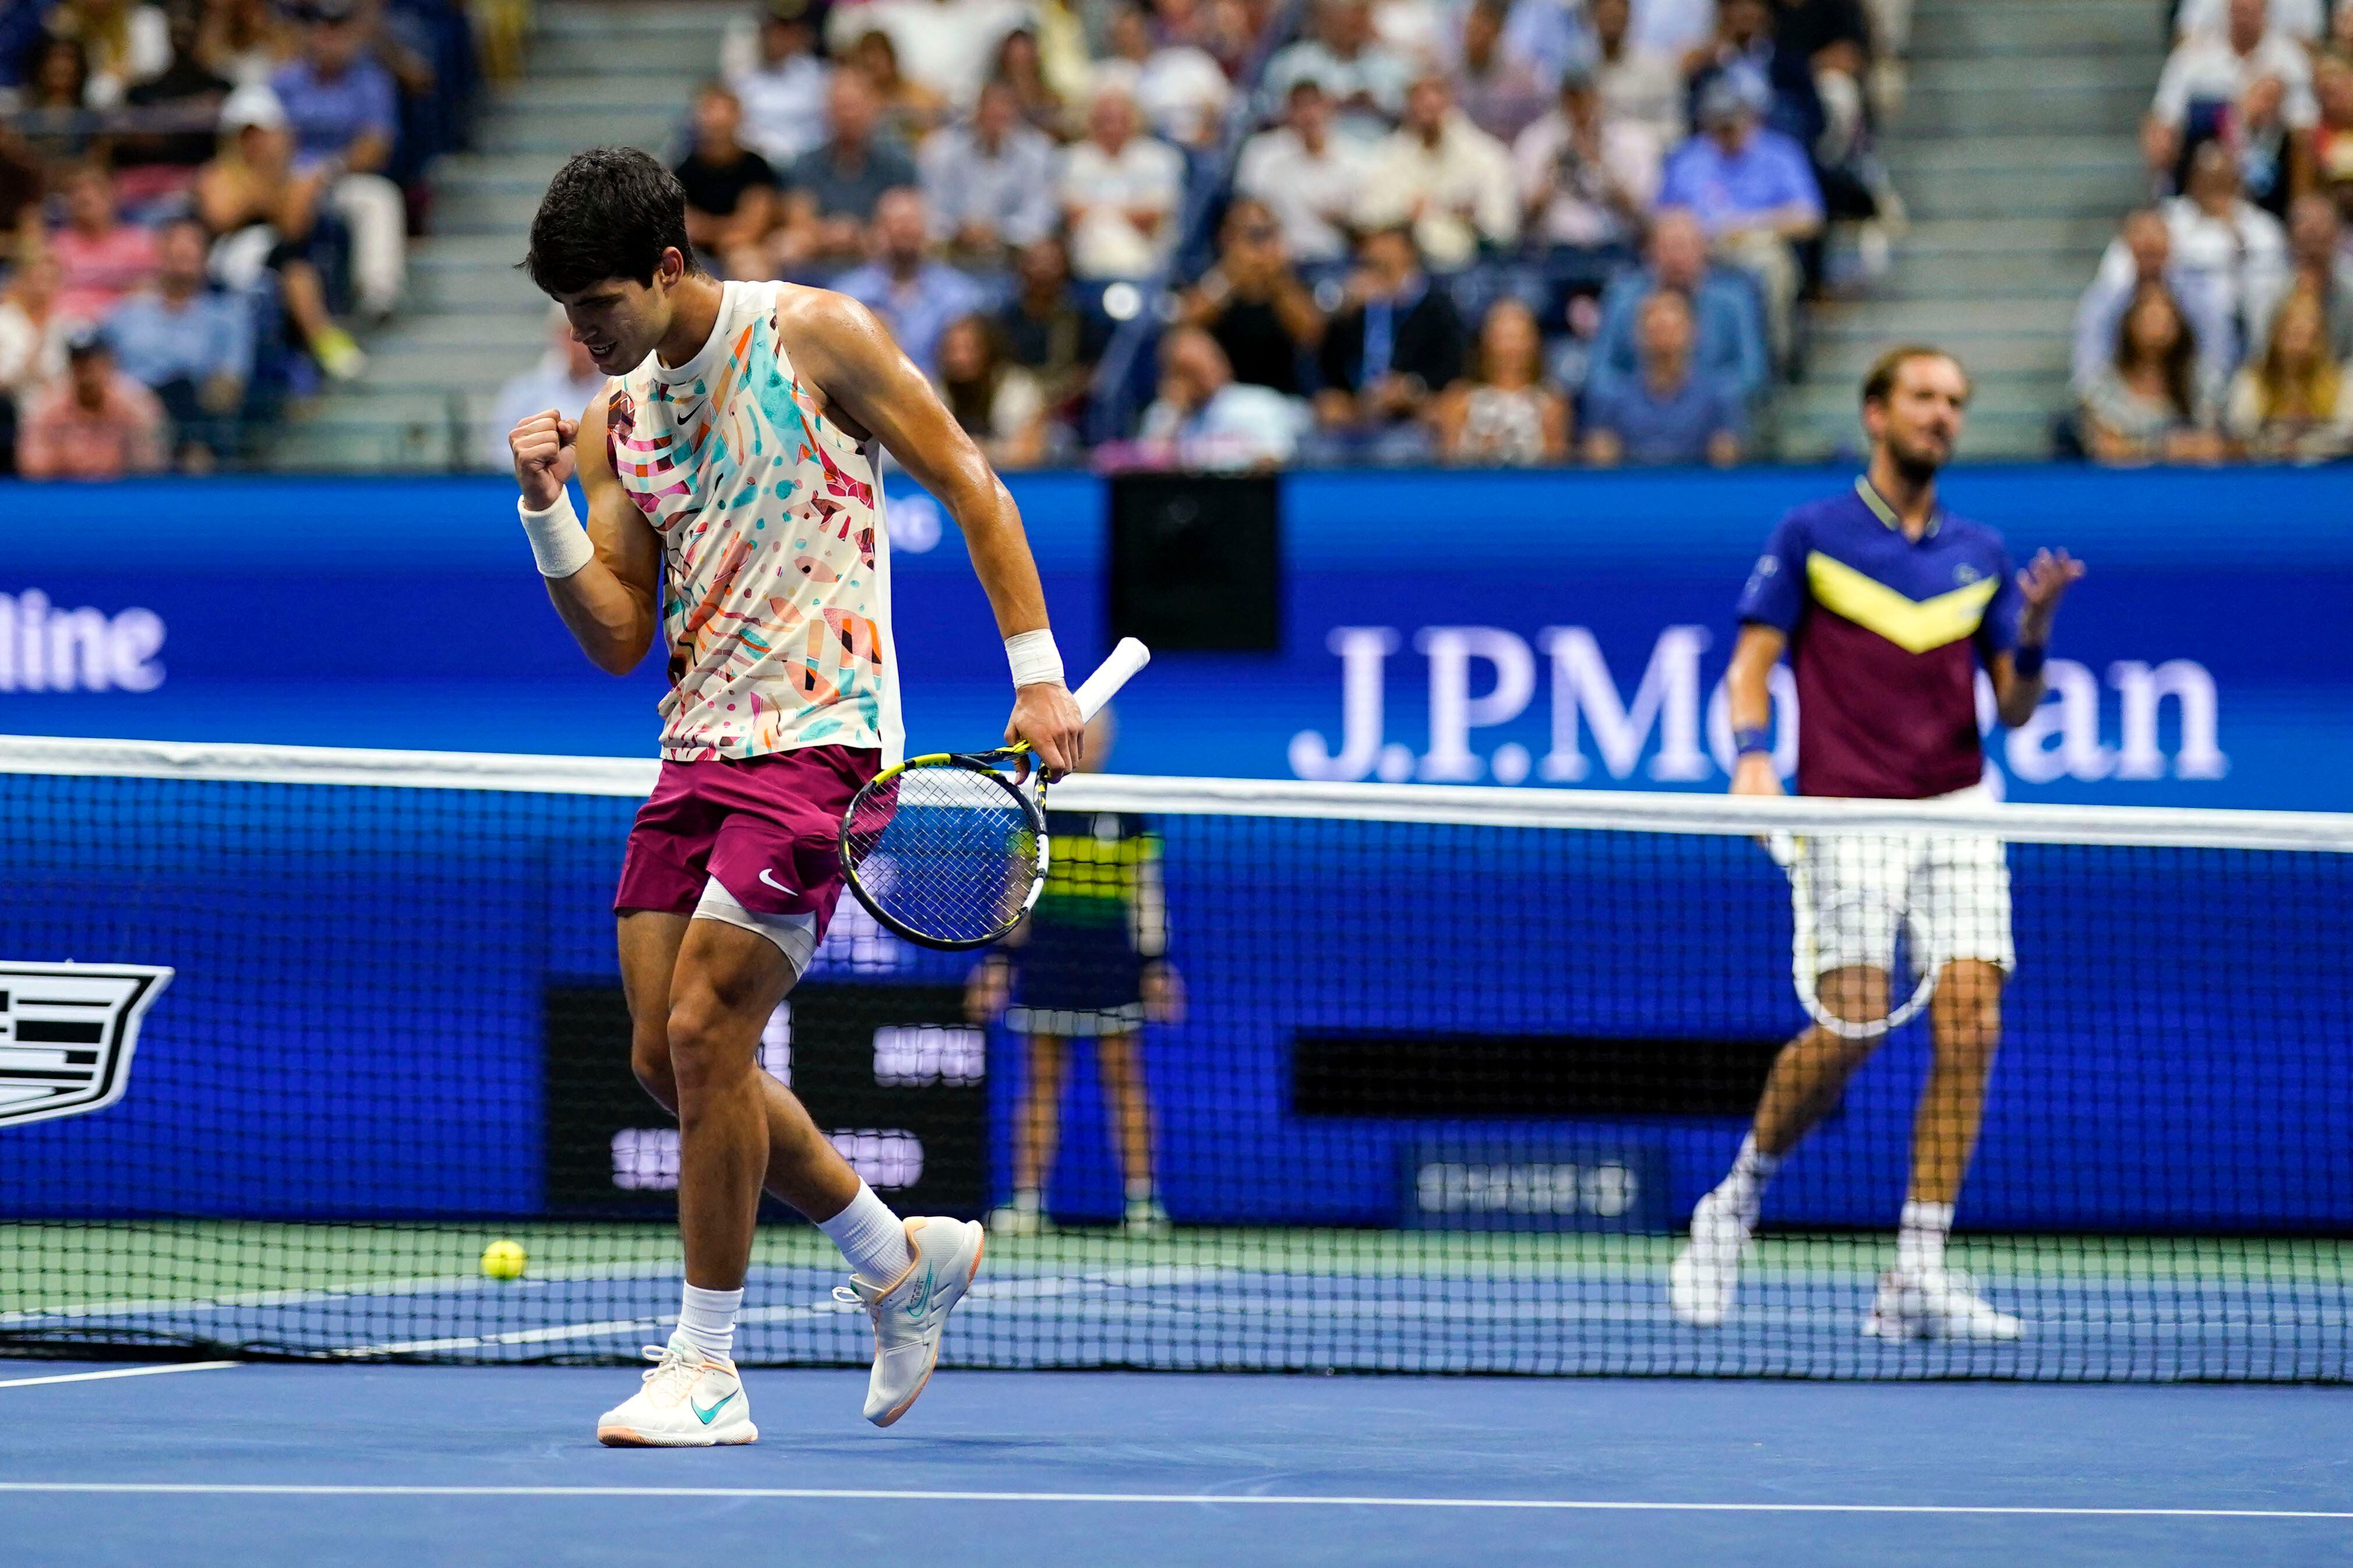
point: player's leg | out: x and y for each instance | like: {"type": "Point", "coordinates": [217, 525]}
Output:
{"type": "Point", "coordinates": [1964, 1030]}
{"type": "Point", "coordinates": [1037, 1124]}
{"type": "Point", "coordinates": [681, 997]}
{"type": "Point", "coordinates": [1810, 1073]}
{"type": "Point", "coordinates": [1130, 1109]}
{"type": "Point", "coordinates": [650, 942]}
{"type": "Point", "coordinates": [1845, 903]}
{"type": "Point", "coordinates": [1963, 911]}
{"type": "Point", "coordinates": [776, 878]}
{"type": "Point", "coordinates": [726, 984]}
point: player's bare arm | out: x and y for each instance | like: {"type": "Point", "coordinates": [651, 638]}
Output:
{"type": "Point", "coordinates": [1749, 698]}
{"type": "Point", "coordinates": [871, 388]}
{"type": "Point", "coordinates": [2042, 583]}
{"type": "Point", "coordinates": [611, 601]}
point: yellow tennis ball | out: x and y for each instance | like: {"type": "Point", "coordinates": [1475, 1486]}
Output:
{"type": "Point", "coordinates": [503, 1259]}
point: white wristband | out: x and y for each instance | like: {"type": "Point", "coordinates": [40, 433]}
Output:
{"type": "Point", "coordinates": [558, 542]}
{"type": "Point", "coordinates": [1035, 659]}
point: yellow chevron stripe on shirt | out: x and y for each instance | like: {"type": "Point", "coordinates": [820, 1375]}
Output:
{"type": "Point", "coordinates": [1915, 626]}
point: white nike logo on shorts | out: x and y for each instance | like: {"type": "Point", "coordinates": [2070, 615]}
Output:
{"type": "Point", "coordinates": [771, 881]}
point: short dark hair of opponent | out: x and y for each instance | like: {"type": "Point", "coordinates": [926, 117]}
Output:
{"type": "Point", "coordinates": [1879, 385]}
{"type": "Point", "coordinates": [610, 212]}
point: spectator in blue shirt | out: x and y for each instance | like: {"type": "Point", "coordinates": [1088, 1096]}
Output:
{"type": "Point", "coordinates": [835, 190]}
{"type": "Point", "coordinates": [916, 296]}
{"type": "Point", "coordinates": [990, 181]}
{"type": "Point", "coordinates": [1727, 317]}
{"type": "Point", "coordinates": [344, 111]}
{"type": "Point", "coordinates": [1752, 190]}
{"type": "Point", "coordinates": [190, 346]}
{"type": "Point", "coordinates": [1670, 414]}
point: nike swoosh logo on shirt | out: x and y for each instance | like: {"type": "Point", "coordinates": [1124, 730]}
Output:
{"type": "Point", "coordinates": [771, 881]}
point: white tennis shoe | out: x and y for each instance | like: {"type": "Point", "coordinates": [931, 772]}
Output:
{"type": "Point", "coordinates": [1706, 1271]}
{"type": "Point", "coordinates": [688, 1401]}
{"type": "Point", "coordinates": [1935, 1304]}
{"type": "Point", "coordinates": [909, 1312]}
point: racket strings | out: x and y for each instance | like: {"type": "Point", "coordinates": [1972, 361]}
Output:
{"type": "Point", "coordinates": [948, 852]}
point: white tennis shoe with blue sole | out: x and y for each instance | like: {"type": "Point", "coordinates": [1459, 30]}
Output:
{"type": "Point", "coordinates": [909, 1312]}
{"type": "Point", "coordinates": [688, 1401]}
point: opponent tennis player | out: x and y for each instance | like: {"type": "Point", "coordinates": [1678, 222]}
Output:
{"type": "Point", "coordinates": [1888, 606]}
{"type": "Point", "coordinates": [731, 472]}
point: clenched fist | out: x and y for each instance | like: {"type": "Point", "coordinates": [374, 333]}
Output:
{"type": "Point", "coordinates": [543, 457]}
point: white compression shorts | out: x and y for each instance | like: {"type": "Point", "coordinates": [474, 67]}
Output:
{"type": "Point", "coordinates": [794, 935]}
{"type": "Point", "coordinates": [1955, 886]}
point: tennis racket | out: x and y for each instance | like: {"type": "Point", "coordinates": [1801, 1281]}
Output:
{"type": "Point", "coordinates": [1859, 907]}
{"type": "Point", "coordinates": [948, 851]}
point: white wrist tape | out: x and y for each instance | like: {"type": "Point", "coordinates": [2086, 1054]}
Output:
{"type": "Point", "coordinates": [558, 542]}
{"type": "Point", "coordinates": [1034, 658]}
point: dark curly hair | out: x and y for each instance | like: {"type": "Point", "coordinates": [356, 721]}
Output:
{"type": "Point", "coordinates": [610, 212]}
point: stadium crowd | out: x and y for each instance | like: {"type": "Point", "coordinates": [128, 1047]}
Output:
{"type": "Point", "coordinates": [2220, 324]}
{"type": "Point", "coordinates": [198, 199]}
{"type": "Point", "coordinates": [1219, 233]}
{"type": "Point", "coordinates": [1227, 233]}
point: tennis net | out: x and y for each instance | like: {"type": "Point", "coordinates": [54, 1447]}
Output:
{"type": "Point", "coordinates": [1432, 1078]}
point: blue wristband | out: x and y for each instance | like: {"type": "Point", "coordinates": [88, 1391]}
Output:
{"type": "Point", "coordinates": [2026, 662]}
{"type": "Point", "coordinates": [1753, 738]}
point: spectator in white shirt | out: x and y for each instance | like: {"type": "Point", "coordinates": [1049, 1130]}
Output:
{"type": "Point", "coordinates": [2302, 20]}
{"type": "Point", "coordinates": [990, 184]}
{"type": "Point", "coordinates": [2239, 247]}
{"type": "Point", "coordinates": [1120, 189]}
{"type": "Point", "coordinates": [1447, 179]}
{"type": "Point", "coordinates": [1182, 91]}
{"type": "Point", "coordinates": [2212, 69]}
{"type": "Point", "coordinates": [946, 45]}
{"type": "Point", "coordinates": [782, 86]}
{"type": "Point", "coordinates": [1309, 178]}
{"type": "Point", "coordinates": [1586, 177]}
{"type": "Point", "coordinates": [1204, 418]}
{"type": "Point", "coordinates": [1366, 80]}
{"type": "Point", "coordinates": [1637, 83]}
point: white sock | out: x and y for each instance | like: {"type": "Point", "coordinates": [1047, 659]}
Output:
{"type": "Point", "coordinates": [1139, 1193]}
{"type": "Point", "coordinates": [707, 1318]}
{"type": "Point", "coordinates": [1920, 1243]}
{"type": "Point", "coordinates": [1744, 1188]}
{"type": "Point", "coordinates": [1025, 1201]}
{"type": "Point", "coordinates": [872, 1237]}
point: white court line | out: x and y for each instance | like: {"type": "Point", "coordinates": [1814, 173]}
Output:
{"type": "Point", "coordinates": [864, 1494]}
{"type": "Point", "coordinates": [122, 1372]}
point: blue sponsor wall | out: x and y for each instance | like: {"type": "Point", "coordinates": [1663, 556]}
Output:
{"type": "Point", "coordinates": [2205, 661]}
{"type": "Point", "coordinates": [1559, 629]}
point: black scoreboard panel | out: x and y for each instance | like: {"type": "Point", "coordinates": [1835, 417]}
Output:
{"type": "Point", "coordinates": [893, 1074]}
{"type": "Point", "coordinates": [1196, 562]}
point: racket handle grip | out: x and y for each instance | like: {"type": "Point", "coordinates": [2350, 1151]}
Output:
{"type": "Point", "coordinates": [1114, 672]}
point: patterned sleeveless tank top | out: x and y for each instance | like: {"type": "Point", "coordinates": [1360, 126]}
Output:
{"type": "Point", "coordinates": [777, 580]}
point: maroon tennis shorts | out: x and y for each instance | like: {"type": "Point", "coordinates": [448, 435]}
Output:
{"type": "Point", "coordinates": [767, 827]}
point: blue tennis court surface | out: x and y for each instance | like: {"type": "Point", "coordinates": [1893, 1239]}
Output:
{"type": "Point", "coordinates": [270, 1464]}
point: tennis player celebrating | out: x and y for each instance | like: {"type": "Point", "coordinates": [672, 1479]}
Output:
{"type": "Point", "coordinates": [1887, 604]}
{"type": "Point", "coordinates": [730, 474]}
